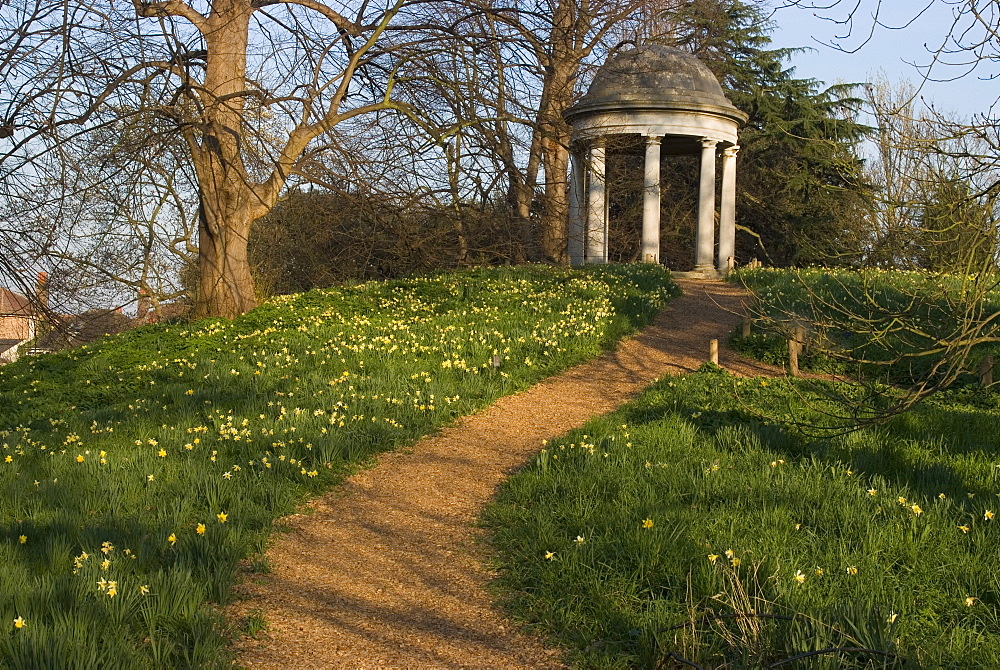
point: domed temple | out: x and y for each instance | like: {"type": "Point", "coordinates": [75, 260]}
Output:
{"type": "Point", "coordinates": [673, 100]}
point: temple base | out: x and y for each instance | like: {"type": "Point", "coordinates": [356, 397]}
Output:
{"type": "Point", "coordinates": [704, 272]}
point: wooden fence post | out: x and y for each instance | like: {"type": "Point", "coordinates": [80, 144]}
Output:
{"type": "Point", "coordinates": [713, 351]}
{"type": "Point", "coordinates": [795, 343]}
{"type": "Point", "coordinates": [746, 326]}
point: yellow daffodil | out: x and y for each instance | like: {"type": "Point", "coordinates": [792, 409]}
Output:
{"type": "Point", "coordinates": [916, 509]}
{"type": "Point", "coordinates": [162, 453]}
{"type": "Point", "coordinates": [852, 570]}
{"type": "Point", "coordinates": [550, 555]}
{"type": "Point", "coordinates": [19, 622]}
{"type": "Point", "coordinates": [200, 529]}
{"type": "Point", "coordinates": [988, 515]}
{"type": "Point", "coordinates": [964, 529]}
{"type": "Point", "coordinates": [647, 523]}
{"type": "Point", "coordinates": [712, 558]}
{"type": "Point", "coordinates": [79, 458]}
{"type": "Point", "coordinates": [172, 539]}
{"type": "Point", "coordinates": [735, 562]}
{"type": "Point", "coordinates": [222, 516]}
{"type": "Point", "coordinates": [891, 618]}
{"type": "Point", "coordinates": [22, 539]}
{"type": "Point", "coordinates": [579, 539]}
{"type": "Point", "coordinates": [818, 571]}
{"type": "Point", "coordinates": [144, 590]}
{"type": "Point", "coordinates": [872, 492]}
{"type": "Point", "coordinates": [799, 577]}
{"type": "Point", "coordinates": [970, 601]}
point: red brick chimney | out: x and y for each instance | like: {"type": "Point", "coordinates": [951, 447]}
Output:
{"type": "Point", "coordinates": [42, 289]}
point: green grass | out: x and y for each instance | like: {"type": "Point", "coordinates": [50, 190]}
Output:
{"type": "Point", "coordinates": [895, 327]}
{"type": "Point", "coordinates": [136, 473]}
{"type": "Point", "coordinates": [873, 539]}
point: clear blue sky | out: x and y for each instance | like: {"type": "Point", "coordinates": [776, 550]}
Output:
{"type": "Point", "coordinates": [895, 52]}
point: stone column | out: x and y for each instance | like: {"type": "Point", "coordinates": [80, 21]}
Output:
{"type": "Point", "coordinates": [651, 203]}
{"type": "Point", "coordinates": [705, 237]}
{"type": "Point", "coordinates": [575, 233]}
{"type": "Point", "coordinates": [597, 205]}
{"type": "Point", "coordinates": [727, 210]}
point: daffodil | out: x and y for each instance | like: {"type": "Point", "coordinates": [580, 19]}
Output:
{"type": "Point", "coordinates": [144, 590]}
{"type": "Point", "coordinates": [550, 555]}
{"type": "Point", "coordinates": [964, 529]}
{"type": "Point", "coordinates": [19, 622]}
{"type": "Point", "coordinates": [799, 577]}
{"type": "Point", "coordinates": [222, 516]}
{"type": "Point", "coordinates": [988, 515]}
{"type": "Point", "coordinates": [172, 539]}
{"type": "Point", "coordinates": [970, 601]}
{"type": "Point", "coordinates": [23, 539]}
{"type": "Point", "coordinates": [712, 558]}
{"type": "Point", "coordinates": [852, 570]}
{"type": "Point", "coordinates": [647, 523]}
{"type": "Point", "coordinates": [200, 529]}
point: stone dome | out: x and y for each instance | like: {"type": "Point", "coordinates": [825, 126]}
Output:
{"type": "Point", "coordinates": [653, 77]}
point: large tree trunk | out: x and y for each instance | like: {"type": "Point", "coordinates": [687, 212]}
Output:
{"type": "Point", "coordinates": [555, 134]}
{"type": "Point", "coordinates": [556, 207]}
{"type": "Point", "coordinates": [229, 203]}
{"type": "Point", "coordinates": [225, 286]}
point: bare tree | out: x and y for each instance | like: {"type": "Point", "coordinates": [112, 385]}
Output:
{"type": "Point", "coordinates": [250, 86]}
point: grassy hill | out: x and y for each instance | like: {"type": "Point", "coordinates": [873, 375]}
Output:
{"type": "Point", "coordinates": [714, 520]}
{"type": "Point", "coordinates": [137, 472]}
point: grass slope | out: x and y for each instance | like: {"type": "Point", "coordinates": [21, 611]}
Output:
{"type": "Point", "coordinates": [137, 472]}
{"type": "Point", "coordinates": [893, 326]}
{"type": "Point", "coordinates": [700, 520]}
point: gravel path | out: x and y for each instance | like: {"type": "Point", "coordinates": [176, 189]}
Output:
{"type": "Point", "coordinates": [386, 570]}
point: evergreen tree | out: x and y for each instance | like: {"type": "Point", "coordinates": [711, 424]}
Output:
{"type": "Point", "coordinates": [800, 191]}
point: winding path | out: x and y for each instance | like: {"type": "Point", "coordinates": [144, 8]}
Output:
{"type": "Point", "coordinates": [386, 571]}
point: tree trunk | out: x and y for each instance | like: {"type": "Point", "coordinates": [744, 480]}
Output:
{"type": "Point", "coordinates": [229, 203]}
{"type": "Point", "coordinates": [225, 287]}
{"type": "Point", "coordinates": [551, 129]}
{"type": "Point", "coordinates": [555, 212]}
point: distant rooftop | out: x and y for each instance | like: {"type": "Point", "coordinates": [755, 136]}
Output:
{"type": "Point", "coordinates": [14, 304]}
